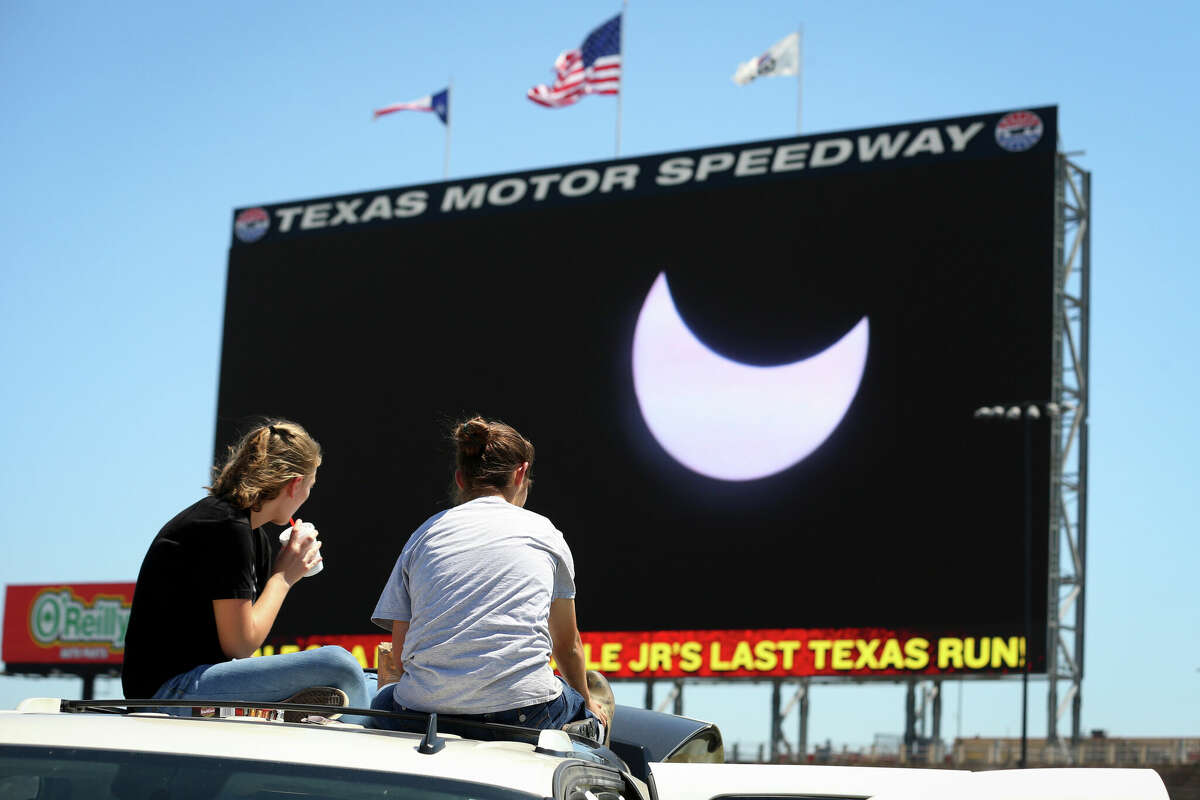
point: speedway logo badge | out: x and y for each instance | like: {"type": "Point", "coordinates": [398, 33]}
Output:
{"type": "Point", "coordinates": [251, 225]}
{"type": "Point", "coordinates": [1019, 131]}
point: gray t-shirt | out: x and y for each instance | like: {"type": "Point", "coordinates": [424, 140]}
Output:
{"type": "Point", "coordinates": [475, 585]}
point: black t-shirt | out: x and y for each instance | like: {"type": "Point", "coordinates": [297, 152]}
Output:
{"type": "Point", "coordinates": [207, 552]}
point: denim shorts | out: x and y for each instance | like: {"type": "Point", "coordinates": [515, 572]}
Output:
{"type": "Point", "coordinates": [567, 707]}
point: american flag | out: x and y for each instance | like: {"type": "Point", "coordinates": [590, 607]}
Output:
{"type": "Point", "coordinates": [593, 68]}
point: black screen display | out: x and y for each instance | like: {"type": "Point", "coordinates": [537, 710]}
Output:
{"type": "Point", "coordinates": [794, 444]}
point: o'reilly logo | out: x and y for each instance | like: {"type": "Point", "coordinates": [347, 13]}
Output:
{"type": "Point", "coordinates": [59, 617]}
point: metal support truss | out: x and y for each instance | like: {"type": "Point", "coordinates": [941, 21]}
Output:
{"type": "Point", "coordinates": [1069, 446]}
{"type": "Point", "coordinates": [780, 747]}
{"type": "Point", "coordinates": [674, 698]}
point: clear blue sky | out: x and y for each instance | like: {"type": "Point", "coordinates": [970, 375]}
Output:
{"type": "Point", "coordinates": [132, 130]}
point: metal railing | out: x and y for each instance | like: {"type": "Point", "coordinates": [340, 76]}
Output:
{"type": "Point", "coordinates": [989, 753]}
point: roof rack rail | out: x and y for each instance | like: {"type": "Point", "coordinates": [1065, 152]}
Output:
{"type": "Point", "coordinates": [429, 724]}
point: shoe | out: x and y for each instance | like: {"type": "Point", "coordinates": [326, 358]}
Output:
{"type": "Point", "coordinates": [602, 693]}
{"type": "Point", "coordinates": [386, 665]}
{"type": "Point", "coordinates": [589, 728]}
{"type": "Point", "coordinates": [316, 696]}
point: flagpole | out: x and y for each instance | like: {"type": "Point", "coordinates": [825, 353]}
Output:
{"type": "Point", "coordinates": [449, 120]}
{"type": "Point", "coordinates": [799, 75]}
{"type": "Point", "coordinates": [621, 89]}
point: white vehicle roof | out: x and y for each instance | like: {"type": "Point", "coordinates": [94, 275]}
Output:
{"type": "Point", "coordinates": [519, 766]}
{"type": "Point", "coordinates": [513, 765]}
{"type": "Point", "coordinates": [706, 781]}
{"type": "Point", "coordinates": [733, 781]}
{"type": "Point", "coordinates": [1081, 783]}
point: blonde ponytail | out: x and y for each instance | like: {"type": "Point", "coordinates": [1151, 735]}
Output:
{"type": "Point", "coordinates": [263, 462]}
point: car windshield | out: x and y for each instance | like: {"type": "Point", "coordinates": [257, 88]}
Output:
{"type": "Point", "coordinates": [69, 773]}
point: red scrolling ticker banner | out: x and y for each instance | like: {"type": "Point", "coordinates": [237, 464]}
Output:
{"type": "Point", "coordinates": [84, 623]}
{"type": "Point", "coordinates": [789, 652]}
{"type": "Point", "coordinates": [76, 623]}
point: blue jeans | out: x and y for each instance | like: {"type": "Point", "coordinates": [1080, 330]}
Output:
{"type": "Point", "coordinates": [272, 678]}
{"type": "Point", "coordinates": [567, 707]}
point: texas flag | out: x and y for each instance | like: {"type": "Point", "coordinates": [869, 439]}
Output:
{"type": "Point", "coordinates": [437, 103]}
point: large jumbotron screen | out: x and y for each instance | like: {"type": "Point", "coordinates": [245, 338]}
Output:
{"type": "Point", "coordinates": [749, 373]}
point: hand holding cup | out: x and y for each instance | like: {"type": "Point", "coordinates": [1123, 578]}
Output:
{"type": "Point", "coordinates": [306, 549]}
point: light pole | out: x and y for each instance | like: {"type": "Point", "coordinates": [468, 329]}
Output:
{"type": "Point", "coordinates": [1028, 413]}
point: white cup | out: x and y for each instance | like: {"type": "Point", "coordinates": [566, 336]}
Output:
{"type": "Point", "coordinates": [305, 527]}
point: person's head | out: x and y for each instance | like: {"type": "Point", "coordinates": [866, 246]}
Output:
{"type": "Point", "coordinates": [272, 468]}
{"type": "Point", "coordinates": [491, 458]}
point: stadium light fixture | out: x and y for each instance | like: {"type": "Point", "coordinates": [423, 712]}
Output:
{"type": "Point", "coordinates": [1028, 413]}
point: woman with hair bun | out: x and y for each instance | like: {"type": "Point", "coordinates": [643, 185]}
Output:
{"type": "Point", "coordinates": [209, 590]}
{"type": "Point", "coordinates": [480, 598]}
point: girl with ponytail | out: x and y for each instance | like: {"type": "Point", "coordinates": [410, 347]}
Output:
{"type": "Point", "coordinates": [210, 588]}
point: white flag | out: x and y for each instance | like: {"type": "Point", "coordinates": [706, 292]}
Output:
{"type": "Point", "coordinates": [783, 58]}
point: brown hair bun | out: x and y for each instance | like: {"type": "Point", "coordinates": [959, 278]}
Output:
{"type": "Point", "coordinates": [487, 453]}
{"type": "Point", "coordinates": [471, 437]}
